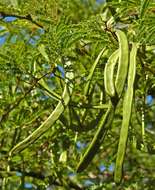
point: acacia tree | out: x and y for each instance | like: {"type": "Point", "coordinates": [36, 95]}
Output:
{"type": "Point", "coordinates": [77, 94]}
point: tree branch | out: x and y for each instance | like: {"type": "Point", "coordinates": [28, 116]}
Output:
{"type": "Point", "coordinates": [27, 17]}
{"type": "Point", "coordinates": [12, 106]}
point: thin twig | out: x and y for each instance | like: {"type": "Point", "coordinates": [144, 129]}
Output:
{"type": "Point", "coordinates": [27, 17]}
{"type": "Point", "coordinates": [11, 107]}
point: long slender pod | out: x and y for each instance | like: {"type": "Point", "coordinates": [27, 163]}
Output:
{"type": "Point", "coordinates": [103, 125]}
{"type": "Point", "coordinates": [42, 83]}
{"type": "Point", "coordinates": [48, 90]}
{"type": "Point", "coordinates": [127, 108]}
{"type": "Point", "coordinates": [52, 118]}
{"type": "Point", "coordinates": [123, 62]}
{"type": "Point", "coordinates": [109, 74]}
{"type": "Point", "coordinates": [89, 78]}
{"type": "Point", "coordinates": [107, 118]}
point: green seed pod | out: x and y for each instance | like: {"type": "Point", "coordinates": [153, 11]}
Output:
{"type": "Point", "coordinates": [52, 118]}
{"type": "Point", "coordinates": [123, 62]}
{"type": "Point", "coordinates": [109, 74]}
{"type": "Point", "coordinates": [127, 108]}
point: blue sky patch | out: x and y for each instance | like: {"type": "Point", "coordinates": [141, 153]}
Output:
{"type": "Point", "coordinates": [102, 168]}
{"type": "Point", "coordinates": [28, 185]}
{"type": "Point", "coordinates": [80, 145]}
{"type": "Point", "coordinates": [19, 174]}
{"type": "Point", "coordinates": [9, 18]}
{"type": "Point", "coordinates": [2, 40]}
{"type": "Point", "coordinates": [149, 99]}
{"type": "Point", "coordinates": [88, 183]}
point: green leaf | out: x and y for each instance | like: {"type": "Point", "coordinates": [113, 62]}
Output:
{"type": "Point", "coordinates": [14, 3]}
{"type": "Point", "coordinates": [143, 7]}
{"type": "Point", "coordinates": [42, 50]}
{"type": "Point", "coordinates": [63, 157]}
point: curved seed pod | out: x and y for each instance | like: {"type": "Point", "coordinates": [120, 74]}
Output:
{"type": "Point", "coordinates": [109, 74]}
{"type": "Point", "coordinates": [127, 108]}
{"type": "Point", "coordinates": [103, 125]}
{"type": "Point", "coordinates": [48, 91]}
{"type": "Point", "coordinates": [87, 88]}
{"type": "Point", "coordinates": [52, 118]}
{"type": "Point", "coordinates": [92, 70]}
{"type": "Point", "coordinates": [123, 62]}
{"type": "Point", "coordinates": [42, 82]}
